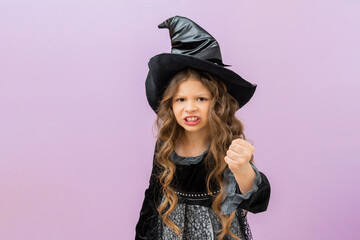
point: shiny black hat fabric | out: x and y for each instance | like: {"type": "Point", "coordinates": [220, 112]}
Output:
{"type": "Point", "coordinates": [192, 47]}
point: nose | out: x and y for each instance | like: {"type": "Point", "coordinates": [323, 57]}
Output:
{"type": "Point", "coordinates": [190, 106]}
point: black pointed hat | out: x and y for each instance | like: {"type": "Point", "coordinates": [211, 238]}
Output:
{"type": "Point", "coordinates": [192, 46]}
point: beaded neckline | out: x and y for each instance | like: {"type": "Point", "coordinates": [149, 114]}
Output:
{"type": "Point", "coordinates": [196, 194]}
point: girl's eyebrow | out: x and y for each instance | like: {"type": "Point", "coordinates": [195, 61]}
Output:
{"type": "Point", "coordinates": [200, 94]}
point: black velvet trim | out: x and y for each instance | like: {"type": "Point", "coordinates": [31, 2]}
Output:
{"type": "Point", "coordinates": [259, 200]}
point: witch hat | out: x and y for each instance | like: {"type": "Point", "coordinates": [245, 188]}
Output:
{"type": "Point", "coordinates": [192, 46]}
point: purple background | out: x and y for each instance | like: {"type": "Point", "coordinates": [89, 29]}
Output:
{"type": "Point", "coordinates": [76, 131]}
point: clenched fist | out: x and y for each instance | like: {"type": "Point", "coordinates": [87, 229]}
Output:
{"type": "Point", "coordinates": [238, 156]}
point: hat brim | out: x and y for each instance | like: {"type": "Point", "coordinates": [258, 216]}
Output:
{"type": "Point", "coordinates": [163, 67]}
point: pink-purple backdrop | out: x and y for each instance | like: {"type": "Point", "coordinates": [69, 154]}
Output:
{"type": "Point", "coordinates": [76, 131]}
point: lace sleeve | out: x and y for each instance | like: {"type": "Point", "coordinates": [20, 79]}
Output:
{"type": "Point", "coordinates": [233, 195]}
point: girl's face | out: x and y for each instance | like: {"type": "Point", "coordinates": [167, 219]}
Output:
{"type": "Point", "coordinates": [191, 104]}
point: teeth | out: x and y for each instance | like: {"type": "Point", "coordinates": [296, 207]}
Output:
{"type": "Point", "coordinates": [192, 119]}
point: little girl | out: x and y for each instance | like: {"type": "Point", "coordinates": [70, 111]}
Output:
{"type": "Point", "coordinates": [203, 180]}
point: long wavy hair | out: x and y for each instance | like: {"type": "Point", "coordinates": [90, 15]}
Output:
{"type": "Point", "coordinates": [224, 127]}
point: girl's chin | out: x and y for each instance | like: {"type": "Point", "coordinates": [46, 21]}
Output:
{"type": "Point", "coordinates": [195, 128]}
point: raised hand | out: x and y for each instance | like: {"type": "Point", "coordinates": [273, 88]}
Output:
{"type": "Point", "coordinates": [238, 156]}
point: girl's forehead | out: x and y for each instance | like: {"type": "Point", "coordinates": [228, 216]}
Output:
{"type": "Point", "coordinates": [192, 86]}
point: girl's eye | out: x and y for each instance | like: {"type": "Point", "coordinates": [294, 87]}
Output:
{"type": "Point", "coordinates": [182, 99]}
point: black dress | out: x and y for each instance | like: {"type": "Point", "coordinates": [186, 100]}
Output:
{"type": "Point", "coordinates": [193, 213]}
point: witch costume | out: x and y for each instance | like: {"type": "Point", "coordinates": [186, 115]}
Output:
{"type": "Point", "coordinates": [193, 47]}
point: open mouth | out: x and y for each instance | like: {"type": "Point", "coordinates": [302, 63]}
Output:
{"type": "Point", "coordinates": [192, 120]}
